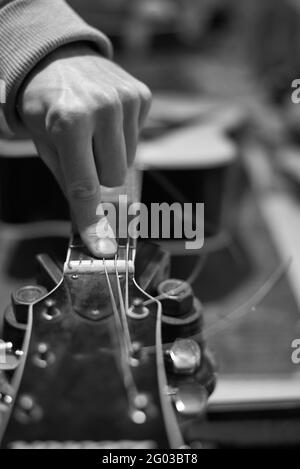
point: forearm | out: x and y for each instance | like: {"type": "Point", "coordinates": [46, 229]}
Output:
{"type": "Point", "coordinates": [29, 31]}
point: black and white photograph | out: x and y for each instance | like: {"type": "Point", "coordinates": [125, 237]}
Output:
{"type": "Point", "coordinates": [149, 228]}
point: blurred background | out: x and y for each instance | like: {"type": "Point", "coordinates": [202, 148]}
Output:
{"type": "Point", "coordinates": [223, 130]}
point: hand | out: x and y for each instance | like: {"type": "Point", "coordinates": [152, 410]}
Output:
{"type": "Point", "coordinates": [84, 114]}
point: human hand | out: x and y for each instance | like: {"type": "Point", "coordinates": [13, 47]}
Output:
{"type": "Point", "coordinates": [84, 114]}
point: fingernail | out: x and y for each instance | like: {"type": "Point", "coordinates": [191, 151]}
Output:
{"type": "Point", "coordinates": [106, 247]}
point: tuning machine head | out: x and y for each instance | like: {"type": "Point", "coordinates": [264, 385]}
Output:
{"type": "Point", "coordinates": [23, 298]}
{"type": "Point", "coordinates": [138, 310]}
{"type": "Point", "coordinates": [190, 400]}
{"type": "Point", "coordinates": [9, 357]}
{"type": "Point", "coordinates": [182, 311]}
{"type": "Point", "coordinates": [184, 357]}
{"type": "Point", "coordinates": [176, 297]}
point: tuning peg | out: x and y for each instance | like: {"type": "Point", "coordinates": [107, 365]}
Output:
{"type": "Point", "coordinates": [182, 312]}
{"type": "Point", "coordinates": [191, 400]}
{"type": "Point", "coordinates": [4, 348]}
{"type": "Point", "coordinates": [9, 358]}
{"type": "Point", "coordinates": [184, 356]}
{"type": "Point", "coordinates": [23, 298]}
{"type": "Point", "coordinates": [138, 310]}
{"type": "Point", "coordinates": [177, 297]}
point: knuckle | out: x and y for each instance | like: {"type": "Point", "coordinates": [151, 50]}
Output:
{"type": "Point", "coordinates": [145, 93]}
{"type": "Point", "coordinates": [109, 101]}
{"type": "Point", "coordinates": [129, 94]}
{"type": "Point", "coordinates": [85, 189]}
{"type": "Point", "coordinates": [55, 120]}
{"type": "Point", "coordinates": [63, 118]}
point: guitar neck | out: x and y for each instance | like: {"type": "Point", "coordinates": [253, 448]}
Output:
{"type": "Point", "coordinates": [80, 260]}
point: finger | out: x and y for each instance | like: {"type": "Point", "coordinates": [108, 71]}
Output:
{"type": "Point", "coordinates": [146, 99]}
{"type": "Point", "coordinates": [110, 148]}
{"type": "Point", "coordinates": [131, 109]}
{"type": "Point", "coordinates": [83, 189]}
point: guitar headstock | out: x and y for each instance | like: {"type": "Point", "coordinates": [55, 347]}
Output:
{"type": "Point", "coordinates": [100, 361]}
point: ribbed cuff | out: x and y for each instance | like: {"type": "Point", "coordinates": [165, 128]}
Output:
{"type": "Point", "coordinates": [29, 31]}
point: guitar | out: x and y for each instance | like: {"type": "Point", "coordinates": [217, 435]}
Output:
{"type": "Point", "coordinates": [94, 360]}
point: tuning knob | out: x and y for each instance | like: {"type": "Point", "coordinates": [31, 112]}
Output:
{"type": "Point", "coordinates": [9, 358]}
{"type": "Point", "coordinates": [191, 400]}
{"type": "Point", "coordinates": [24, 297]}
{"type": "Point", "coordinates": [138, 310]}
{"type": "Point", "coordinates": [182, 312]}
{"type": "Point", "coordinates": [184, 356]}
{"type": "Point", "coordinates": [177, 297]}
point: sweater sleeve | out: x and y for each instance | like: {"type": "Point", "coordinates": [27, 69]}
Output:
{"type": "Point", "coordinates": [30, 30]}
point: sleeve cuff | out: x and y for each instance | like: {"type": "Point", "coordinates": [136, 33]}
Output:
{"type": "Point", "coordinates": [30, 30]}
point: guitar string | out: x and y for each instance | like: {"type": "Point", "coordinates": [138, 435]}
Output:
{"type": "Point", "coordinates": [127, 276]}
{"type": "Point", "coordinates": [255, 300]}
{"type": "Point", "coordinates": [176, 290]}
{"type": "Point", "coordinates": [172, 190]}
{"type": "Point", "coordinates": [200, 264]}
{"type": "Point", "coordinates": [252, 303]}
{"type": "Point", "coordinates": [127, 374]}
{"type": "Point", "coordinates": [172, 427]}
{"type": "Point", "coordinates": [115, 309]}
{"type": "Point", "coordinates": [173, 432]}
{"type": "Point", "coordinates": [122, 308]}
